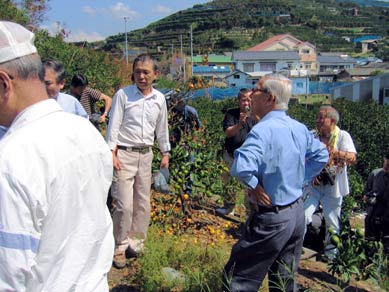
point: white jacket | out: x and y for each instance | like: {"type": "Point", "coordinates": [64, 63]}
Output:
{"type": "Point", "coordinates": [55, 229]}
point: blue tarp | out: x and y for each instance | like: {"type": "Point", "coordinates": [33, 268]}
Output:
{"type": "Point", "coordinates": [315, 87]}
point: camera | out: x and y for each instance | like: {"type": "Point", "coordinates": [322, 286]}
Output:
{"type": "Point", "coordinates": [327, 176]}
{"type": "Point", "coordinates": [248, 111]}
{"type": "Point", "coordinates": [371, 198]}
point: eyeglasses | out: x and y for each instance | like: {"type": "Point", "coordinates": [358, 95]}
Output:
{"type": "Point", "coordinates": [261, 90]}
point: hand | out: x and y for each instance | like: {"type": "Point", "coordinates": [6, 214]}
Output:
{"type": "Point", "coordinates": [116, 162]}
{"type": "Point", "coordinates": [102, 118]}
{"type": "Point", "coordinates": [242, 119]}
{"type": "Point", "coordinates": [259, 197]}
{"type": "Point", "coordinates": [165, 161]}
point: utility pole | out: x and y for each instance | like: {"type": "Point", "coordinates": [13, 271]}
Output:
{"type": "Point", "coordinates": [191, 48]}
{"type": "Point", "coordinates": [182, 59]}
{"type": "Point", "coordinates": [125, 30]}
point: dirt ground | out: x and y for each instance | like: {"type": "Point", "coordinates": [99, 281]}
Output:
{"type": "Point", "coordinates": [313, 275]}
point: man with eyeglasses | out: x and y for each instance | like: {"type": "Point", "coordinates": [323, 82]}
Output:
{"type": "Point", "coordinates": [277, 157]}
{"type": "Point", "coordinates": [55, 81]}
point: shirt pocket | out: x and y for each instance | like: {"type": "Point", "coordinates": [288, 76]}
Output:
{"type": "Point", "coordinates": [152, 110]}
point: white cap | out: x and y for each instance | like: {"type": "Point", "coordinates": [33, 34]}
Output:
{"type": "Point", "coordinates": [15, 41]}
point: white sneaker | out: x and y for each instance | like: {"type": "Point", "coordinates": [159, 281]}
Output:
{"type": "Point", "coordinates": [225, 211]}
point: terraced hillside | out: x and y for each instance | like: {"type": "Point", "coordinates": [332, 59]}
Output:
{"type": "Point", "coordinates": [225, 25]}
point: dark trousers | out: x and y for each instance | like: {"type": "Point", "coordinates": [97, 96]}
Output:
{"type": "Point", "coordinates": [271, 245]}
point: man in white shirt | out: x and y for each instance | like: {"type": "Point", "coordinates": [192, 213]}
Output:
{"type": "Point", "coordinates": [332, 184]}
{"type": "Point", "coordinates": [55, 81]}
{"type": "Point", "coordinates": [138, 111]}
{"type": "Point", "coordinates": [55, 172]}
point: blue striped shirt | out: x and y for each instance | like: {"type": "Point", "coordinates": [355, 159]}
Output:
{"type": "Point", "coordinates": [280, 154]}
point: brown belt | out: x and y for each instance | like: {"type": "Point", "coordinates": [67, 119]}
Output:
{"type": "Point", "coordinates": [142, 150]}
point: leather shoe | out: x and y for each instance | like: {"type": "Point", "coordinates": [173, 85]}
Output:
{"type": "Point", "coordinates": [119, 259]}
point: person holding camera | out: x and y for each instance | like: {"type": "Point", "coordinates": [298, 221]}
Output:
{"type": "Point", "coordinates": [376, 197]}
{"type": "Point", "coordinates": [237, 124]}
{"type": "Point", "coordinates": [331, 184]}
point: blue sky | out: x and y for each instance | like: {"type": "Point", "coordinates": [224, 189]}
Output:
{"type": "Point", "coordinates": [96, 19]}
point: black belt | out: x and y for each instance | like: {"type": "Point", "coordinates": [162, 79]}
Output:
{"type": "Point", "coordinates": [276, 209]}
{"type": "Point", "coordinates": [142, 150]}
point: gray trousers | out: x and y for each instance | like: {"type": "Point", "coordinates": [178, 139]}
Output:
{"type": "Point", "coordinates": [271, 245]}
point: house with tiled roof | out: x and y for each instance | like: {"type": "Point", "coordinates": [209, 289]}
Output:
{"type": "Point", "coordinates": [265, 61]}
{"type": "Point", "coordinates": [286, 42]}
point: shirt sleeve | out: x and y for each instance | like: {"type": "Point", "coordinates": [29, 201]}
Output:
{"type": "Point", "coordinates": [19, 234]}
{"type": "Point", "coordinates": [94, 94]}
{"type": "Point", "coordinates": [316, 157]}
{"type": "Point", "coordinates": [346, 142]}
{"type": "Point", "coordinates": [369, 183]}
{"type": "Point", "coordinates": [228, 121]}
{"type": "Point", "coordinates": [79, 109]}
{"type": "Point", "coordinates": [115, 119]}
{"type": "Point", "coordinates": [194, 116]}
{"type": "Point", "coordinates": [162, 129]}
{"type": "Point", "coordinates": [247, 160]}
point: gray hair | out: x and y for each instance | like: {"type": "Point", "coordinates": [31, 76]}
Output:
{"type": "Point", "coordinates": [26, 67]}
{"type": "Point", "coordinates": [331, 113]}
{"type": "Point", "coordinates": [279, 86]}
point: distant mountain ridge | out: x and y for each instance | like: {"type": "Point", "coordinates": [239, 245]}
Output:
{"type": "Point", "coordinates": [227, 25]}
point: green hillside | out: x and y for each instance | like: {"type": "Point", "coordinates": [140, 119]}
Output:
{"type": "Point", "coordinates": [225, 25]}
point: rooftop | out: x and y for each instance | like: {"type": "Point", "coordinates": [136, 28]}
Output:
{"type": "Point", "coordinates": [265, 55]}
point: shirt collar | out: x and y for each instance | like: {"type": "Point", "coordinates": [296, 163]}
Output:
{"type": "Point", "coordinates": [35, 112]}
{"type": "Point", "coordinates": [153, 93]}
{"type": "Point", "coordinates": [273, 114]}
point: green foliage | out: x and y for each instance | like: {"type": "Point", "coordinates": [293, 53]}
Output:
{"type": "Point", "coordinates": [237, 24]}
{"type": "Point", "coordinates": [355, 256]}
{"type": "Point", "coordinates": [165, 83]}
{"type": "Point", "coordinates": [9, 11]}
{"type": "Point", "coordinates": [200, 263]}
{"type": "Point", "coordinates": [97, 66]}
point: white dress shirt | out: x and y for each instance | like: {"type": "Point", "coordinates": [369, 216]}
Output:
{"type": "Point", "coordinates": [134, 118]}
{"type": "Point", "coordinates": [55, 229]}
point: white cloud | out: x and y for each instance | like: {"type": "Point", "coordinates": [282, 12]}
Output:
{"type": "Point", "coordinates": [80, 36]}
{"type": "Point", "coordinates": [117, 11]}
{"type": "Point", "coordinates": [89, 10]}
{"type": "Point", "coordinates": [53, 28]}
{"type": "Point", "coordinates": [162, 9]}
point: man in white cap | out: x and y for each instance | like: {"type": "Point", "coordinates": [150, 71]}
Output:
{"type": "Point", "coordinates": [55, 172]}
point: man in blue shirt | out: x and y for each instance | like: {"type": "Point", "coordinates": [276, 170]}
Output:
{"type": "Point", "coordinates": [277, 157]}
{"type": "Point", "coordinates": [55, 81]}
